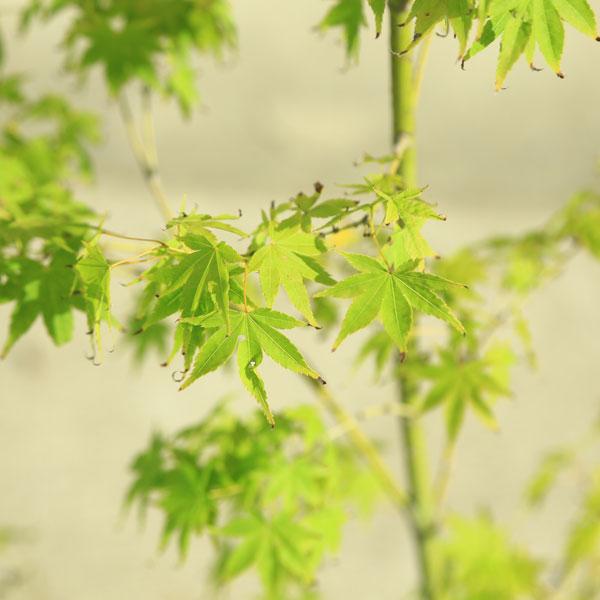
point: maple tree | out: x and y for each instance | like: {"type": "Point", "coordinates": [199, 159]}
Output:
{"type": "Point", "coordinates": [274, 489]}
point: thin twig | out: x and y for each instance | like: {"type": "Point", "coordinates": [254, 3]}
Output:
{"type": "Point", "coordinates": [134, 260]}
{"type": "Point", "coordinates": [377, 410]}
{"type": "Point", "coordinates": [120, 236]}
{"type": "Point", "coordinates": [336, 229]}
{"type": "Point", "coordinates": [444, 473]}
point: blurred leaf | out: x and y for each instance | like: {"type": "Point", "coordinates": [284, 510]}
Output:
{"type": "Point", "coordinates": [479, 562]}
{"type": "Point", "coordinates": [134, 41]}
{"type": "Point", "coordinates": [546, 475]}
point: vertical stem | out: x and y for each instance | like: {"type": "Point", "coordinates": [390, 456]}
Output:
{"type": "Point", "coordinates": [402, 93]}
{"type": "Point", "coordinates": [422, 514]}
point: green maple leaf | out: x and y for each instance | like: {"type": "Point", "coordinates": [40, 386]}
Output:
{"type": "Point", "coordinates": [427, 14]}
{"type": "Point", "coordinates": [480, 561]}
{"type": "Point", "coordinates": [181, 83]}
{"type": "Point", "coordinates": [306, 208]}
{"type": "Point", "coordinates": [187, 283]}
{"type": "Point", "coordinates": [135, 41]}
{"type": "Point", "coordinates": [187, 503]}
{"type": "Point", "coordinates": [55, 291]}
{"type": "Point", "coordinates": [459, 384]}
{"type": "Point", "coordinates": [408, 213]}
{"type": "Point", "coordinates": [202, 224]}
{"type": "Point", "coordinates": [547, 474]}
{"type": "Point", "coordinates": [582, 221]}
{"type": "Point", "coordinates": [26, 275]}
{"type": "Point", "coordinates": [257, 334]}
{"type": "Point", "coordinates": [391, 295]}
{"type": "Point", "coordinates": [348, 15]}
{"type": "Point", "coordinates": [514, 42]}
{"type": "Point", "coordinates": [42, 291]}
{"type": "Point", "coordinates": [295, 483]}
{"type": "Point", "coordinates": [124, 54]}
{"type": "Point", "coordinates": [524, 24]}
{"type": "Point", "coordinates": [521, 25]}
{"type": "Point", "coordinates": [378, 8]}
{"type": "Point", "coordinates": [287, 260]}
{"type": "Point", "coordinates": [94, 274]}
{"type": "Point", "coordinates": [277, 543]}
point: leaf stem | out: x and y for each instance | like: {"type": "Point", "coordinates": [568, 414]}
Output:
{"type": "Point", "coordinates": [121, 236]}
{"type": "Point", "coordinates": [246, 286]}
{"type": "Point", "coordinates": [133, 260]}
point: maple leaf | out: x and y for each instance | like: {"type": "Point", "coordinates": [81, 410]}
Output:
{"type": "Point", "coordinates": [391, 295]}
{"type": "Point", "coordinates": [287, 260]}
{"type": "Point", "coordinates": [278, 543]}
{"type": "Point", "coordinates": [459, 384]}
{"type": "Point", "coordinates": [524, 25]}
{"type": "Point", "coordinates": [408, 213]}
{"type": "Point", "coordinates": [306, 208]}
{"type": "Point", "coordinates": [348, 15]}
{"type": "Point", "coordinates": [186, 282]}
{"type": "Point", "coordinates": [198, 224]}
{"type": "Point", "coordinates": [94, 274]}
{"type": "Point", "coordinates": [257, 332]}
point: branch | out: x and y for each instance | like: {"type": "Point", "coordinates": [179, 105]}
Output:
{"type": "Point", "coordinates": [120, 236]}
{"type": "Point", "coordinates": [145, 153]}
{"type": "Point", "coordinates": [363, 445]}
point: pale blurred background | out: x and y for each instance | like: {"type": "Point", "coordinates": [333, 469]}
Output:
{"type": "Point", "coordinates": [281, 114]}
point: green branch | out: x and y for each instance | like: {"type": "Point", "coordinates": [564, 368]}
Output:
{"type": "Point", "coordinates": [404, 89]}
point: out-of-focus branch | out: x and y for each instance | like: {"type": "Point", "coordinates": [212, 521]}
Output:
{"type": "Point", "coordinates": [363, 445]}
{"type": "Point", "coordinates": [144, 151]}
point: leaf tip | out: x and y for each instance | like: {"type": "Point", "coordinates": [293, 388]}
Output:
{"type": "Point", "coordinates": [560, 74]}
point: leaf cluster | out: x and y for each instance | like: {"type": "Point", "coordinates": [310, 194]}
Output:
{"type": "Point", "coordinates": [271, 499]}
{"type": "Point", "coordinates": [43, 227]}
{"type": "Point", "coordinates": [522, 27]}
{"type": "Point", "coordinates": [212, 290]}
{"type": "Point", "coordinates": [152, 41]}
{"type": "Point", "coordinates": [578, 570]}
{"type": "Point", "coordinates": [478, 561]}
{"type": "Point", "coordinates": [457, 372]}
